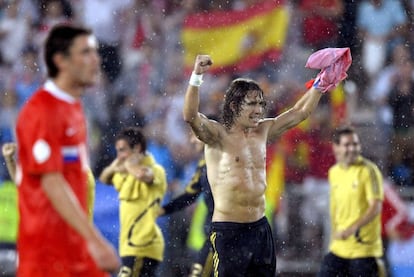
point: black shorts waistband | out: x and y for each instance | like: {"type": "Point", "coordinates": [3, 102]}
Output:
{"type": "Point", "coordinates": [229, 225]}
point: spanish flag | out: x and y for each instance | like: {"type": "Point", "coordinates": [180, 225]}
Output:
{"type": "Point", "coordinates": [237, 41]}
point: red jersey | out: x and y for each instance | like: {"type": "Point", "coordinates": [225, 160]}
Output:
{"type": "Point", "coordinates": [51, 136]}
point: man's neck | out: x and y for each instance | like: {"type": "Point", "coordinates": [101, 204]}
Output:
{"type": "Point", "coordinates": [69, 87]}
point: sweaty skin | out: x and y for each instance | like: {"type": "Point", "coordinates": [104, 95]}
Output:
{"type": "Point", "coordinates": [237, 175]}
{"type": "Point", "coordinates": [236, 156]}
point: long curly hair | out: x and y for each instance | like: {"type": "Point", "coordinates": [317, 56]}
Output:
{"type": "Point", "coordinates": [234, 98]}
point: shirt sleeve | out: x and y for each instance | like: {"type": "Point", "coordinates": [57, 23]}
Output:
{"type": "Point", "coordinates": [160, 178]}
{"type": "Point", "coordinates": [41, 142]}
{"type": "Point", "coordinates": [374, 183]}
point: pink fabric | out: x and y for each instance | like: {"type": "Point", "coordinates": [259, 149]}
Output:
{"type": "Point", "coordinates": [334, 63]}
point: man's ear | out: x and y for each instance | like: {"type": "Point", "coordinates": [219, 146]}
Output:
{"type": "Point", "coordinates": [60, 61]}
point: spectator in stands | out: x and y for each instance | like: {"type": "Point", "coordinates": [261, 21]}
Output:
{"type": "Point", "coordinates": [401, 101]}
{"type": "Point", "coordinates": [27, 76]}
{"type": "Point", "coordinates": [14, 31]}
{"type": "Point", "coordinates": [381, 25]}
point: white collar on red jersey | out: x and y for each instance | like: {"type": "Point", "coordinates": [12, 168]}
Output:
{"type": "Point", "coordinates": [53, 89]}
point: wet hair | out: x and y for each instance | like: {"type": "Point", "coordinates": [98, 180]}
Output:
{"type": "Point", "coordinates": [234, 98]}
{"type": "Point", "coordinates": [133, 136]}
{"type": "Point", "coordinates": [59, 40]}
{"type": "Point", "coordinates": [342, 131]}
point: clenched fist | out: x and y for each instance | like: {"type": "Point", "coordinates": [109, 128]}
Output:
{"type": "Point", "coordinates": [202, 64]}
{"type": "Point", "coordinates": [9, 149]}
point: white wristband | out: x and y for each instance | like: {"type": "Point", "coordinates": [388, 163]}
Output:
{"type": "Point", "coordinates": [196, 79]}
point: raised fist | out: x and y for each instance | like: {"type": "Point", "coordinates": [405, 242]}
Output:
{"type": "Point", "coordinates": [9, 149]}
{"type": "Point", "coordinates": [202, 64]}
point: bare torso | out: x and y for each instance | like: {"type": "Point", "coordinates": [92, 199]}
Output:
{"type": "Point", "coordinates": [236, 172]}
{"type": "Point", "coordinates": [235, 151]}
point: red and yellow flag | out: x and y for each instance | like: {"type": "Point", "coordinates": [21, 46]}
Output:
{"type": "Point", "coordinates": [237, 41]}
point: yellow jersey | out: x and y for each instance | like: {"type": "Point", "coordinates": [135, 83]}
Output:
{"type": "Point", "coordinates": [351, 190]}
{"type": "Point", "coordinates": [140, 235]}
{"type": "Point", "coordinates": [91, 193]}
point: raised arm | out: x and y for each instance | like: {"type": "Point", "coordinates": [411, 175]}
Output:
{"type": "Point", "coordinates": [299, 112]}
{"type": "Point", "coordinates": [109, 171]}
{"type": "Point", "coordinates": [8, 151]}
{"type": "Point", "coordinates": [204, 129]}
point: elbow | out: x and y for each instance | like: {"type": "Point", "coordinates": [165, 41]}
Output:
{"type": "Point", "coordinates": [301, 114]}
{"type": "Point", "coordinates": [186, 118]}
{"type": "Point", "coordinates": [304, 114]}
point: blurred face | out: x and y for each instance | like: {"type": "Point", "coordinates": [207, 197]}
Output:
{"type": "Point", "coordinates": [348, 149]}
{"type": "Point", "coordinates": [123, 151]}
{"type": "Point", "coordinates": [83, 64]}
{"type": "Point", "coordinates": [252, 109]}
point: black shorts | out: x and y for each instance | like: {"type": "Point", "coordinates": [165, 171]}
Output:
{"type": "Point", "coordinates": [134, 266]}
{"type": "Point", "coordinates": [333, 265]}
{"type": "Point", "coordinates": [243, 249]}
{"type": "Point", "coordinates": [203, 263]}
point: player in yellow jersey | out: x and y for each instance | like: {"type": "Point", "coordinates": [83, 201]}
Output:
{"type": "Point", "coordinates": [141, 184]}
{"type": "Point", "coordinates": [356, 195]}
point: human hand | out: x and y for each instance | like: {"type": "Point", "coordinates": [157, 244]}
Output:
{"type": "Point", "coordinates": [145, 174]}
{"type": "Point", "coordinates": [104, 255]}
{"type": "Point", "coordinates": [202, 64]}
{"type": "Point", "coordinates": [8, 150]}
{"type": "Point", "coordinates": [344, 234]}
{"type": "Point", "coordinates": [117, 165]}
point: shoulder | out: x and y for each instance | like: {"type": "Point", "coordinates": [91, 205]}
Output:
{"type": "Point", "coordinates": [368, 164]}
{"type": "Point", "coordinates": [335, 172]}
{"type": "Point", "coordinates": [333, 168]}
{"type": "Point", "coordinates": [158, 168]}
{"type": "Point", "coordinates": [37, 107]}
{"type": "Point", "coordinates": [43, 95]}
{"type": "Point", "coordinates": [370, 169]}
{"type": "Point", "coordinates": [159, 172]}
{"type": "Point", "coordinates": [42, 101]}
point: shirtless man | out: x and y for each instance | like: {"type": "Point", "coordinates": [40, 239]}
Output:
{"type": "Point", "coordinates": [235, 152]}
